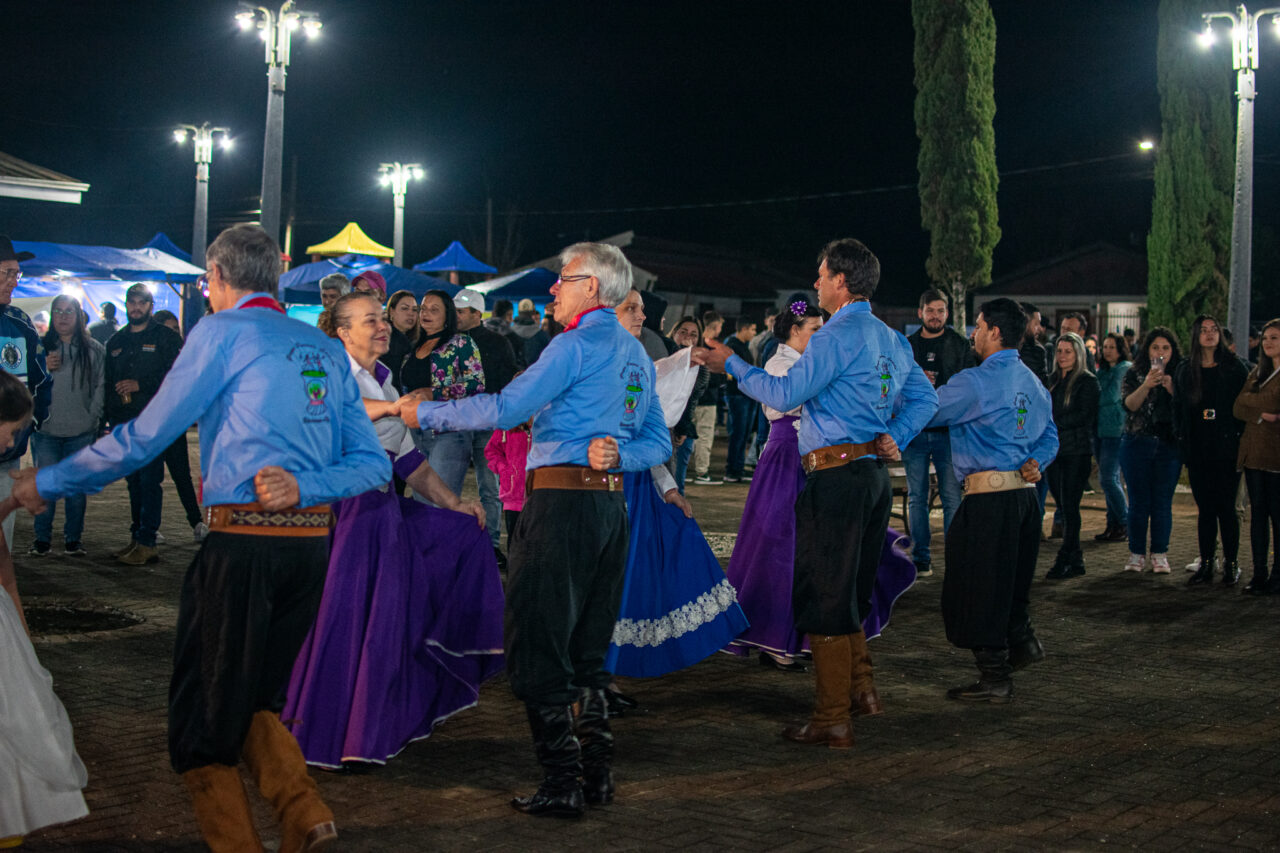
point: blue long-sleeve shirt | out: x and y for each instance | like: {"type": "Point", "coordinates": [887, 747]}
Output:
{"type": "Point", "coordinates": [591, 381]}
{"type": "Point", "coordinates": [1000, 416]}
{"type": "Point", "coordinates": [856, 379]}
{"type": "Point", "coordinates": [266, 390]}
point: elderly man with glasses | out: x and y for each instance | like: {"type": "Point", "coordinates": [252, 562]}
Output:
{"type": "Point", "coordinates": [595, 413]}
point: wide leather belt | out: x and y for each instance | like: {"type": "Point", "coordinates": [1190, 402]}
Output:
{"type": "Point", "coordinates": [572, 477]}
{"type": "Point", "coordinates": [256, 521]}
{"type": "Point", "coordinates": [836, 455]}
{"type": "Point", "coordinates": [981, 482]}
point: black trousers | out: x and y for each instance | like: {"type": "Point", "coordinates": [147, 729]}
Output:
{"type": "Point", "coordinates": [1068, 477]}
{"type": "Point", "coordinates": [247, 605]}
{"type": "Point", "coordinates": [991, 550]}
{"type": "Point", "coordinates": [841, 517]}
{"type": "Point", "coordinates": [179, 465]}
{"type": "Point", "coordinates": [510, 516]}
{"type": "Point", "coordinates": [1214, 485]}
{"type": "Point", "coordinates": [566, 562]}
{"type": "Point", "coordinates": [1264, 524]}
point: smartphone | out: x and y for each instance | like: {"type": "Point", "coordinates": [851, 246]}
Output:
{"type": "Point", "coordinates": [1158, 362]}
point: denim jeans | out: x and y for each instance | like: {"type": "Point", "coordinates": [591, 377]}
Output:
{"type": "Point", "coordinates": [1151, 468]}
{"type": "Point", "coordinates": [682, 455]}
{"type": "Point", "coordinates": [47, 450]}
{"type": "Point", "coordinates": [742, 415]}
{"type": "Point", "coordinates": [487, 485]}
{"type": "Point", "coordinates": [449, 454]}
{"type": "Point", "coordinates": [1108, 453]}
{"type": "Point", "coordinates": [146, 501]}
{"type": "Point", "coordinates": [915, 459]}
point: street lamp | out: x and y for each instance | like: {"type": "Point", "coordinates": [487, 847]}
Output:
{"type": "Point", "coordinates": [202, 139]}
{"type": "Point", "coordinates": [276, 31]}
{"type": "Point", "coordinates": [397, 176]}
{"type": "Point", "coordinates": [1244, 56]}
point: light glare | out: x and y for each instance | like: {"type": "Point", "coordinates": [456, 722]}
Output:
{"type": "Point", "coordinates": [419, 174]}
{"type": "Point", "coordinates": [384, 179]}
{"type": "Point", "coordinates": [1206, 38]}
{"type": "Point", "coordinates": [179, 136]}
{"type": "Point", "coordinates": [244, 20]}
{"type": "Point", "coordinates": [227, 143]}
{"type": "Point", "coordinates": [1146, 145]}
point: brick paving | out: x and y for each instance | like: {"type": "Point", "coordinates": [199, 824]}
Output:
{"type": "Point", "coordinates": [1152, 724]}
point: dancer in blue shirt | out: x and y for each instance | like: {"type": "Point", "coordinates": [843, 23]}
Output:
{"type": "Point", "coordinates": [1002, 439]}
{"type": "Point", "coordinates": [862, 397]}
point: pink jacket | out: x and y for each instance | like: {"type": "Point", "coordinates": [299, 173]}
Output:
{"type": "Point", "coordinates": [506, 453]}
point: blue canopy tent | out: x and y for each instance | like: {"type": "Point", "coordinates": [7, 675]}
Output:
{"type": "Point", "coordinates": [454, 259]}
{"type": "Point", "coordinates": [532, 284]}
{"type": "Point", "coordinates": [162, 242]}
{"type": "Point", "coordinates": [91, 294]}
{"type": "Point", "coordinates": [301, 285]}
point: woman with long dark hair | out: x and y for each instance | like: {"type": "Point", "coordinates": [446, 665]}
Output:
{"type": "Point", "coordinates": [1148, 449]}
{"type": "Point", "coordinates": [1112, 367]}
{"type": "Point", "coordinates": [75, 361]}
{"type": "Point", "coordinates": [447, 362]}
{"type": "Point", "coordinates": [402, 314]}
{"type": "Point", "coordinates": [1258, 405]}
{"type": "Point", "coordinates": [1075, 413]}
{"type": "Point", "coordinates": [1206, 385]}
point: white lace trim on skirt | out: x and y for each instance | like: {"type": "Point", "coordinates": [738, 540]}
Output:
{"type": "Point", "coordinates": [691, 616]}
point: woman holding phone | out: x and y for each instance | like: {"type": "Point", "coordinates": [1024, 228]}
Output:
{"type": "Point", "coordinates": [1148, 450]}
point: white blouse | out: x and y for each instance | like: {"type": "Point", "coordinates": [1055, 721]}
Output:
{"type": "Point", "coordinates": [780, 365]}
{"type": "Point", "coordinates": [393, 435]}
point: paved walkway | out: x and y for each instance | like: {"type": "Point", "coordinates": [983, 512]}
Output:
{"type": "Point", "coordinates": [1152, 724]}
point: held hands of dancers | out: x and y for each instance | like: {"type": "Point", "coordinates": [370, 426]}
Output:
{"type": "Point", "coordinates": [277, 489]}
{"type": "Point", "coordinates": [1030, 471]}
{"type": "Point", "coordinates": [407, 406]}
{"type": "Point", "coordinates": [25, 493]}
{"type": "Point", "coordinates": [712, 357]}
{"type": "Point", "coordinates": [603, 453]}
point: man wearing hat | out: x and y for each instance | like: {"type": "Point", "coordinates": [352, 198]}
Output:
{"type": "Point", "coordinates": [22, 355]}
{"type": "Point", "coordinates": [500, 367]}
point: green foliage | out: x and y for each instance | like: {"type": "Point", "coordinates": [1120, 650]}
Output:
{"type": "Point", "coordinates": [955, 53]}
{"type": "Point", "coordinates": [1189, 248]}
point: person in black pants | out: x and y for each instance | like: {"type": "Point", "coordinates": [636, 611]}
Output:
{"type": "Point", "coordinates": [177, 460]}
{"type": "Point", "coordinates": [1205, 387]}
{"type": "Point", "coordinates": [1075, 413]}
{"type": "Point", "coordinates": [1258, 405]}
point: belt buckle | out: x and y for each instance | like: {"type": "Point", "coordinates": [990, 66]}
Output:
{"type": "Point", "coordinates": [995, 479]}
{"type": "Point", "coordinates": [1209, 414]}
{"type": "Point", "coordinates": [813, 460]}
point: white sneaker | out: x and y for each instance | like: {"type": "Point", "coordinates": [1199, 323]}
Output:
{"type": "Point", "coordinates": [160, 540]}
{"type": "Point", "coordinates": [1195, 566]}
{"type": "Point", "coordinates": [200, 531]}
{"type": "Point", "coordinates": [1136, 563]}
{"type": "Point", "coordinates": [1160, 564]}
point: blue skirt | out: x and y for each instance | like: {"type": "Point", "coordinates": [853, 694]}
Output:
{"type": "Point", "coordinates": [677, 605]}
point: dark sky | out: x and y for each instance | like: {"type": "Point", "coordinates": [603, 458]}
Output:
{"type": "Point", "coordinates": [553, 108]}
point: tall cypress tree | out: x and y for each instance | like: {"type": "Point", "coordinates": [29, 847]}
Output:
{"type": "Point", "coordinates": [1189, 248]}
{"type": "Point", "coordinates": [955, 55]}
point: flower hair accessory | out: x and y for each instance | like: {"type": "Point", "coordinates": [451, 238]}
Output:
{"type": "Point", "coordinates": [799, 307]}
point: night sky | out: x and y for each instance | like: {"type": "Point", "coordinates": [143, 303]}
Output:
{"type": "Point", "coordinates": [562, 110]}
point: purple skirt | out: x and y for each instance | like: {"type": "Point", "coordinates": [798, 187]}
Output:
{"type": "Point", "coordinates": [762, 565]}
{"type": "Point", "coordinates": [409, 627]}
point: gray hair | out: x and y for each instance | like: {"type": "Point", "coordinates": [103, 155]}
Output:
{"type": "Point", "coordinates": [607, 264]}
{"type": "Point", "coordinates": [336, 281]}
{"type": "Point", "coordinates": [248, 258]}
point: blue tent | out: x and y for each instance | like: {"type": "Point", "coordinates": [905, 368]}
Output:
{"type": "Point", "coordinates": [532, 284]}
{"type": "Point", "coordinates": [454, 259]}
{"type": "Point", "coordinates": [92, 294]}
{"type": "Point", "coordinates": [162, 242]}
{"type": "Point", "coordinates": [65, 260]}
{"type": "Point", "coordinates": [301, 285]}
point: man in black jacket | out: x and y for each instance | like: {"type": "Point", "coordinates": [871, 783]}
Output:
{"type": "Point", "coordinates": [138, 358]}
{"type": "Point", "coordinates": [941, 352]}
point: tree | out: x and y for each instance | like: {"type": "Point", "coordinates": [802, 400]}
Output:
{"type": "Point", "coordinates": [955, 55]}
{"type": "Point", "coordinates": [1189, 248]}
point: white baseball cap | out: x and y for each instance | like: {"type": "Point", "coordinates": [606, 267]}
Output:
{"type": "Point", "coordinates": [468, 298]}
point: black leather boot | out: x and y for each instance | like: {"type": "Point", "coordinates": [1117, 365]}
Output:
{"type": "Point", "coordinates": [1204, 574]}
{"type": "Point", "coordinates": [560, 794]}
{"type": "Point", "coordinates": [995, 683]}
{"type": "Point", "coordinates": [597, 748]}
{"type": "Point", "coordinates": [1059, 569]}
{"type": "Point", "coordinates": [1230, 572]}
{"type": "Point", "coordinates": [1025, 652]}
{"type": "Point", "coordinates": [1075, 565]}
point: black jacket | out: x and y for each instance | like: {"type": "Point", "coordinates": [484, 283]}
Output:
{"type": "Point", "coordinates": [393, 358]}
{"type": "Point", "coordinates": [1033, 356]}
{"type": "Point", "coordinates": [1077, 421]}
{"type": "Point", "coordinates": [496, 356]}
{"type": "Point", "coordinates": [144, 357]}
{"type": "Point", "coordinates": [1204, 427]}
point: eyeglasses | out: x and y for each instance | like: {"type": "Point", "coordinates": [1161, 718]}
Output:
{"type": "Point", "coordinates": [565, 279]}
{"type": "Point", "coordinates": [64, 312]}
{"type": "Point", "coordinates": [16, 275]}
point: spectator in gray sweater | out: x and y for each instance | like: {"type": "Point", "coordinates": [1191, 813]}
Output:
{"type": "Point", "coordinates": [75, 361]}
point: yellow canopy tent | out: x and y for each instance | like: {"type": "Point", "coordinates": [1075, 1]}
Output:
{"type": "Point", "coordinates": [351, 241]}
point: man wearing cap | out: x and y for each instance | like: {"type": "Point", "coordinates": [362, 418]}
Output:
{"type": "Point", "coordinates": [595, 413]}
{"type": "Point", "coordinates": [22, 355]}
{"type": "Point", "coordinates": [863, 397]}
{"type": "Point", "coordinates": [283, 431]}
{"type": "Point", "coordinates": [499, 363]}
{"type": "Point", "coordinates": [138, 358]}
{"type": "Point", "coordinates": [1002, 437]}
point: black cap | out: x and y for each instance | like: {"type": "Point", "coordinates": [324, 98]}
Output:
{"type": "Point", "coordinates": [8, 254]}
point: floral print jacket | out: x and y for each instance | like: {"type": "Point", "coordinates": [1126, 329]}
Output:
{"type": "Point", "coordinates": [456, 371]}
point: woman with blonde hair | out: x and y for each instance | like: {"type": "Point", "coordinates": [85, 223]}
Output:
{"type": "Point", "coordinates": [1075, 413]}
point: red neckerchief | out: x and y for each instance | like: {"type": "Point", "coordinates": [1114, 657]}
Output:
{"type": "Point", "coordinates": [573, 324]}
{"type": "Point", "coordinates": [263, 302]}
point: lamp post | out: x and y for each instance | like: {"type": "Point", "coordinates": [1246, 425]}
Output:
{"type": "Point", "coordinates": [1244, 56]}
{"type": "Point", "coordinates": [202, 144]}
{"type": "Point", "coordinates": [397, 176]}
{"type": "Point", "coordinates": [276, 31]}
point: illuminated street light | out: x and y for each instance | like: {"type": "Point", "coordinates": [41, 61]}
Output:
{"type": "Point", "coordinates": [1244, 57]}
{"type": "Point", "coordinates": [275, 30]}
{"type": "Point", "coordinates": [203, 137]}
{"type": "Point", "coordinates": [1146, 145]}
{"type": "Point", "coordinates": [397, 176]}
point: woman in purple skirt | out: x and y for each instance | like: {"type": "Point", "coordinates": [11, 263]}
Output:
{"type": "Point", "coordinates": [762, 565]}
{"type": "Point", "coordinates": [411, 620]}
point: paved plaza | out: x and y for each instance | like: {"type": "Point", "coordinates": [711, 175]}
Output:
{"type": "Point", "coordinates": [1152, 724]}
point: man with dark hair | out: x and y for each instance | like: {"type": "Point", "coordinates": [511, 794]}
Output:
{"type": "Point", "coordinates": [283, 432]}
{"type": "Point", "coordinates": [102, 330]}
{"type": "Point", "coordinates": [742, 409]}
{"type": "Point", "coordinates": [500, 321]}
{"type": "Point", "coordinates": [138, 358]}
{"type": "Point", "coordinates": [1030, 351]}
{"type": "Point", "coordinates": [704, 413]}
{"type": "Point", "coordinates": [862, 397]}
{"type": "Point", "coordinates": [1002, 437]}
{"type": "Point", "coordinates": [941, 352]}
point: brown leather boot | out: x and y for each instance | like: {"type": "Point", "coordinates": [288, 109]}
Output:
{"type": "Point", "coordinates": [277, 765]}
{"type": "Point", "coordinates": [864, 697]}
{"type": "Point", "coordinates": [832, 662]}
{"type": "Point", "coordinates": [222, 809]}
